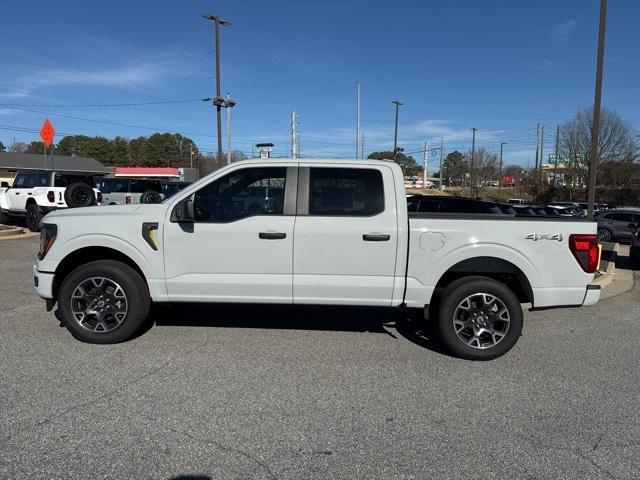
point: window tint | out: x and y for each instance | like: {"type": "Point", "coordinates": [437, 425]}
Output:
{"type": "Point", "coordinates": [240, 194]}
{"type": "Point", "coordinates": [141, 186]}
{"type": "Point", "coordinates": [43, 179]}
{"type": "Point", "coordinates": [66, 179]}
{"type": "Point", "coordinates": [622, 217]}
{"type": "Point", "coordinates": [25, 180]}
{"type": "Point", "coordinates": [429, 205]}
{"type": "Point", "coordinates": [345, 191]}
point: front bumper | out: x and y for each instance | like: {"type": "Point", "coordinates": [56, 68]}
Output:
{"type": "Point", "coordinates": [592, 295]}
{"type": "Point", "coordinates": [43, 283]}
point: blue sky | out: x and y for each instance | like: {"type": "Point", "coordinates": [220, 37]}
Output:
{"type": "Point", "coordinates": [500, 66]}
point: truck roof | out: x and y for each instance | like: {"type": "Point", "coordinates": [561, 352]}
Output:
{"type": "Point", "coordinates": [364, 161]}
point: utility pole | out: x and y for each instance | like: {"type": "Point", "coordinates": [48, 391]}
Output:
{"type": "Point", "coordinates": [595, 130]}
{"type": "Point", "coordinates": [441, 162]}
{"type": "Point", "coordinates": [294, 135]}
{"type": "Point", "coordinates": [425, 168]}
{"type": "Point", "coordinates": [502, 144]}
{"type": "Point", "coordinates": [537, 146]}
{"type": "Point", "coordinates": [555, 167]}
{"type": "Point", "coordinates": [395, 135]}
{"type": "Point", "coordinates": [218, 101]}
{"type": "Point", "coordinates": [357, 118]}
{"type": "Point", "coordinates": [362, 146]}
{"type": "Point", "coordinates": [228, 130]}
{"type": "Point", "coordinates": [539, 174]}
{"type": "Point", "coordinates": [473, 156]}
{"type": "Point", "coordinates": [191, 156]}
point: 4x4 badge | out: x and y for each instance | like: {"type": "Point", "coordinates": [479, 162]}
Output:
{"type": "Point", "coordinates": [543, 236]}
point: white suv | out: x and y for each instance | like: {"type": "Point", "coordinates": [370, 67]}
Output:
{"type": "Point", "coordinates": [37, 192]}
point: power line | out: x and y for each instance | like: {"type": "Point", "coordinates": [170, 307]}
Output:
{"type": "Point", "coordinates": [97, 105]}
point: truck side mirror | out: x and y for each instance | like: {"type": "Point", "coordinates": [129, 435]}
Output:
{"type": "Point", "coordinates": [183, 211]}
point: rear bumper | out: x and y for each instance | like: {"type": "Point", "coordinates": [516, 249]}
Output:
{"type": "Point", "coordinates": [592, 296]}
{"type": "Point", "coordinates": [43, 283]}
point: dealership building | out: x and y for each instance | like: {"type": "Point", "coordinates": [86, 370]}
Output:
{"type": "Point", "coordinates": [11, 163]}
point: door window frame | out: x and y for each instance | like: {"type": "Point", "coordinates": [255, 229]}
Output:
{"type": "Point", "coordinates": [290, 193]}
{"type": "Point", "coordinates": [304, 191]}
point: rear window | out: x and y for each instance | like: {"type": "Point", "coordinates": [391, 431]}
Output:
{"type": "Point", "coordinates": [66, 179]}
{"type": "Point", "coordinates": [114, 185]}
{"type": "Point", "coordinates": [345, 191]}
{"type": "Point", "coordinates": [141, 186]}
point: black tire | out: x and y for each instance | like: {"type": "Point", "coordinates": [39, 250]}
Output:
{"type": "Point", "coordinates": [604, 235]}
{"type": "Point", "coordinates": [151, 197]}
{"type": "Point", "coordinates": [4, 218]}
{"type": "Point", "coordinates": [79, 195]}
{"type": "Point", "coordinates": [136, 297]}
{"type": "Point", "coordinates": [33, 217]}
{"type": "Point", "coordinates": [455, 294]}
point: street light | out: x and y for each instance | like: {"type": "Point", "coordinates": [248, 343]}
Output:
{"type": "Point", "coordinates": [395, 135]}
{"type": "Point", "coordinates": [502, 144]}
{"type": "Point", "coordinates": [217, 99]}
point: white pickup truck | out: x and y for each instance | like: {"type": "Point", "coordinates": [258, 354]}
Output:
{"type": "Point", "coordinates": [332, 232]}
{"type": "Point", "coordinates": [36, 192]}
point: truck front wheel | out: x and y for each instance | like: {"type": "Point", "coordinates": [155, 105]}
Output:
{"type": "Point", "coordinates": [104, 301]}
{"type": "Point", "coordinates": [479, 318]}
{"type": "Point", "coordinates": [33, 217]}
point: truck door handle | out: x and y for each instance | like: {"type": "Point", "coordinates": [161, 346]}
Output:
{"type": "Point", "coordinates": [271, 235]}
{"type": "Point", "coordinates": [375, 237]}
{"type": "Point", "coordinates": [29, 193]}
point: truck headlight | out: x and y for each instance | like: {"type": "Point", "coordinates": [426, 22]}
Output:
{"type": "Point", "coordinates": [48, 234]}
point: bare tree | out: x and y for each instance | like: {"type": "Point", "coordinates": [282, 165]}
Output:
{"type": "Point", "coordinates": [616, 143]}
{"type": "Point", "coordinates": [486, 166]}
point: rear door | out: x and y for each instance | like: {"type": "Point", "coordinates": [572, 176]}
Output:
{"type": "Point", "coordinates": [620, 222]}
{"type": "Point", "coordinates": [346, 236]}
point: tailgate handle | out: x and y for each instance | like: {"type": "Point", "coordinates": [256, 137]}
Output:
{"type": "Point", "coordinates": [375, 237]}
{"type": "Point", "coordinates": [271, 235]}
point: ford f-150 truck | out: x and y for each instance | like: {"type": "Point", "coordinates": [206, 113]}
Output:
{"type": "Point", "coordinates": [332, 232]}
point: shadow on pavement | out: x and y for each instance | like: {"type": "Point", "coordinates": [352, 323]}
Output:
{"type": "Point", "coordinates": [407, 323]}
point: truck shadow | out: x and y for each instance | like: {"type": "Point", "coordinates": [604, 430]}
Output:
{"type": "Point", "coordinates": [387, 321]}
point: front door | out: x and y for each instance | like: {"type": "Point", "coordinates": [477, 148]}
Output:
{"type": "Point", "coordinates": [21, 191]}
{"type": "Point", "coordinates": [346, 236]}
{"type": "Point", "coordinates": [240, 247]}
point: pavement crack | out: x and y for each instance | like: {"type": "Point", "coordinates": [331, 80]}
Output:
{"type": "Point", "coordinates": [75, 407]}
{"type": "Point", "coordinates": [208, 441]}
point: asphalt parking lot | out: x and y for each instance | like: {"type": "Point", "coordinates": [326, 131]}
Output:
{"type": "Point", "coordinates": [288, 393]}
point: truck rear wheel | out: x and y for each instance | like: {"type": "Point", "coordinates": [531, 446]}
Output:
{"type": "Point", "coordinates": [479, 318]}
{"type": "Point", "coordinates": [104, 301]}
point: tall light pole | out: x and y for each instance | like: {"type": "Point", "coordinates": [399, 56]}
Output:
{"type": "Point", "coordinates": [596, 109]}
{"type": "Point", "coordinates": [357, 119]}
{"type": "Point", "coordinates": [502, 144]}
{"type": "Point", "coordinates": [395, 135]}
{"type": "Point", "coordinates": [218, 101]}
{"type": "Point", "coordinates": [473, 156]}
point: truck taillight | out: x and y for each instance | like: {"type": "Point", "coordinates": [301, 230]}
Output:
{"type": "Point", "coordinates": [51, 196]}
{"type": "Point", "coordinates": [99, 197]}
{"type": "Point", "coordinates": [127, 199]}
{"type": "Point", "coordinates": [586, 251]}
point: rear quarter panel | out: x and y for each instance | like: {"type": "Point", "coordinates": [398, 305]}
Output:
{"type": "Point", "coordinates": [437, 244]}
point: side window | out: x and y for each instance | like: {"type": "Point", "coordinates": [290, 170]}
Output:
{"type": "Point", "coordinates": [25, 180]}
{"type": "Point", "coordinates": [345, 191]}
{"type": "Point", "coordinates": [241, 194]}
{"type": "Point", "coordinates": [622, 217]}
{"type": "Point", "coordinates": [43, 179]}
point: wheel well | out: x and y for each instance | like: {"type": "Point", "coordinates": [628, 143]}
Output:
{"type": "Point", "coordinates": [86, 255]}
{"type": "Point", "coordinates": [492, 267]}
{"type": "Point", "coordinates": [31, 201]}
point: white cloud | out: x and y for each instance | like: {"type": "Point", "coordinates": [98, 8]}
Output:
{"type": "Point", "coordinates": [562, 32]}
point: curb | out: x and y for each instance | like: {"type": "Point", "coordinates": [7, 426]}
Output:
{"type": "Point", "coordinates": [11, 233]}
{"type": "Point", "coordinates": [606, 277]}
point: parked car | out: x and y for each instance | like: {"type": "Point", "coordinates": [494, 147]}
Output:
{"type": "Point", "coordinates": [617, 224]}
{"type": "Point", "coordinates": [35, 193]}
{"type": "Point", "coordinates": [426, 203]}
{"type": "Point", "coordinates": [634, 251]}
{"type": "Point", "coordinates": [517, 201]}
{"type": "Point", "coordinates": [169, 189]}
{"type": "Point", "coordinates": [341, 236]}
{"type": "Point", "coordinates": [124, 191]}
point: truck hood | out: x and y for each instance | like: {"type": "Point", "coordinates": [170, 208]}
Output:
{"type": "Point", "coordinates": [106, 211]}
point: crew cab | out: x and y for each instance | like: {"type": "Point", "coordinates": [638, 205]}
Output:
{"type": "Point", "coordinates": [312, 232]}
{"type": "Point", "coordinates": [37, 192]}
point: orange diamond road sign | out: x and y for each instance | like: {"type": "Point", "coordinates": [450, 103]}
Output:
{"type": "Point", "coordinates": [47, 133]}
